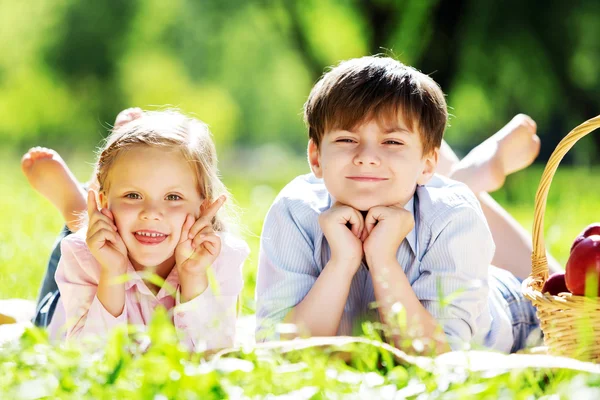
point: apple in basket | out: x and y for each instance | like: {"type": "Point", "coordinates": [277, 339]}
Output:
{"type": "Point", "coordinates": [555, 284]}
{"type": "Point", "coordinates": [584, 260]}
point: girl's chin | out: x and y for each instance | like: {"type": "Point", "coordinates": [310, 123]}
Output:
{"type": "Point", "coordinates": [151, 262]}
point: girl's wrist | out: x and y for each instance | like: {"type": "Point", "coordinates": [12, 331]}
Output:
{"type": "Point", "coordinates": [192, 286]}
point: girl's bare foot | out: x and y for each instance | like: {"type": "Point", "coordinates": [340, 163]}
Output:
{"type": "Point", "coordinates": [50, 176]}
{"type": "Point", "coordinates": [511, 149]}
{"type": "Point", "coordinates": [128, 115]}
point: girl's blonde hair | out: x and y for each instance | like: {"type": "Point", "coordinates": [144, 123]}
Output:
{"type": "Point", "coordinates": [170, 130]}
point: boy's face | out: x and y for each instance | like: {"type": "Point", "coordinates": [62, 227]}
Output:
{"type": "Point", "coordinates": [373, 165]}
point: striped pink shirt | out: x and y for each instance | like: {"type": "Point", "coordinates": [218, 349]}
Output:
{"type": "Point", "coordinates": [205, 322]}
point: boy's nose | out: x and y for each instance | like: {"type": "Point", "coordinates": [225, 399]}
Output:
{"type": "Point", "coordinates": [366, 156]}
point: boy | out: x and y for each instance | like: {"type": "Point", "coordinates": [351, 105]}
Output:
{"type": "Point", "coordinates": [372, 224]}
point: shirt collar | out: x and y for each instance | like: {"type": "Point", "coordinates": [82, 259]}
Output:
{"type": "Point", "coordinates": [135, 279]}
{"type": "Point", "coordinates": [412, 235]}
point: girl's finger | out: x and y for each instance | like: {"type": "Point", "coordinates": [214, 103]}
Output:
{"type": "Point", "coordinates": [92, 205]}
{"type": "Point", "coordinates": [108, 213]}
{"type": "Point", "coordinates": [203, 239]}
{"type": "Point", "coordinates": [185, 229]}
{"type": "Point", "coordinates": [101, 237]}
{"type": "Point", "coordinates": [206, 215]}
{"type": "Point", "coordinates": [211, 248]}
{"type": "Point", "coordinates": [101, 223]}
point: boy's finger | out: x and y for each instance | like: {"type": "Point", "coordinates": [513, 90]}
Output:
{"type": "Point", "coordinates": [354, 222]}
{"type": "Point", "coordinates": [371, 219]}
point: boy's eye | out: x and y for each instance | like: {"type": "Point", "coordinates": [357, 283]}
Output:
{"type": "Point", "coordinates": [393, 142]}
{"type": "Point", "coordinates": [344, 140]}
{"type": "Point", "coordinates": [134, 196]}
{"type": "Point", "coordinates": [173, 197]}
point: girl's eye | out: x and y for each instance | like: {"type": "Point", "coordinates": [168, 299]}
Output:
{"type": "Point", "coordinates": [173, 197]}
{"type": "Point", "coordinates": [134, 196]}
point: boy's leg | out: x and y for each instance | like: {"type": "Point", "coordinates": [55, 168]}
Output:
{"type": "Point", "coordinates": [488, 168]}
{"type": "Point", "coordinates": [51, 177]}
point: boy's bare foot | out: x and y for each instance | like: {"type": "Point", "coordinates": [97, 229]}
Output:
{"type": "Point", "coordinates": [511, 149]}
{"type": "Point", "coordinates": [49, 175]}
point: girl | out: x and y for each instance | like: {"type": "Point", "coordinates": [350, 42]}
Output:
{"type": "Point", "coordinates": [157, 212]}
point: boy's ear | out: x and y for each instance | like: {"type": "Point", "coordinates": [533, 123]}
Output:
{"type": "Point", "coordinates": [314, 159]}
{"type": "Point", "coordinates": [103, 200]}
{"type": "Point", "coordinates": [431, 161]}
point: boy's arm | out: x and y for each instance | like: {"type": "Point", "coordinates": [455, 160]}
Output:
{"type": "Point", "coordinates": [452, 290]}
{"type": "Point", "coordinates": [290, 286]}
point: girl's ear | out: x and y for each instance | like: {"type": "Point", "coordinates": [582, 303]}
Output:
{"type": "Point", "coordinates": [103, 200]}
{"type": "Point", "coordinates": [314, 159]}
{"type": "Point", "coordinates": [431, 161]}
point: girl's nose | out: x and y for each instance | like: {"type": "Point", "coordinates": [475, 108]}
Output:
{"type": "Point", "coordinates": [151, 212]}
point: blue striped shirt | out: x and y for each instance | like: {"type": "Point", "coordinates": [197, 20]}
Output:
{"type": "Point", "coordinates": [449, 251]}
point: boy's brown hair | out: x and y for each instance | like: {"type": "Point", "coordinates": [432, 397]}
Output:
{"type": "Point", "coordinates": [361, 89]}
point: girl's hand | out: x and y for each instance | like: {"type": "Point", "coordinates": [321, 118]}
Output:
{"type": "Point", "coordinates": [104, 240]}
{"type": "Point", "coordinates": [199, 245]}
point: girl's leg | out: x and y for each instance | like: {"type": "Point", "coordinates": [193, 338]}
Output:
{"type": "Point", "coordinates": [51, 177]}
{"type": "Point", "coordinates": [48, 295]}
{"type": "Point", "coordinates": [484, 169]}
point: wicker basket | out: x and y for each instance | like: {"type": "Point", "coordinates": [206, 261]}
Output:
{"type": "Point", "coordinates": [571, 324]}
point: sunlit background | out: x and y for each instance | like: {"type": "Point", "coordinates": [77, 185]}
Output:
{"type": "Point", "coordinates": [246, 67]}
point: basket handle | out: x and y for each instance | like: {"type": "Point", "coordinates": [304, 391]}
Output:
{"type": "Point", "coordinates": [539, 262]}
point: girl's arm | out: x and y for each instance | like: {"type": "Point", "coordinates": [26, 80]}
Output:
{"type": "Point", "coordinates": [208, 320]}
{"type": "Point", "coordinates": [81, 286]}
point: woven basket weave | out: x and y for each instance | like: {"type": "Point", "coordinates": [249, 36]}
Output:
{"type": "Point", "coordinates": [571, 324]}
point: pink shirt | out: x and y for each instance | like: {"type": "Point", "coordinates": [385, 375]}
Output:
{"type": "Point", "coordinates": [205, 322]}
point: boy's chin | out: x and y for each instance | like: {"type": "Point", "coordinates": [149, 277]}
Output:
{"type": "Point", "coordinates": [362, 205]}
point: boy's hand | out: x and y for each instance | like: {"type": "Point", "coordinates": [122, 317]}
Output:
{"type": "Point", "coordinates": [199, 245]}
{"type": "Point", "coordinates": [104, 240]}
{"type": "Point", "coordinates": [343, 226]}
{"type": "Point", "coordinates": [127, 115]}
{"type": "Point", "coordinates": [386, 228]}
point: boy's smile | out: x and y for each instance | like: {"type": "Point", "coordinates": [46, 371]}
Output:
{"type": "Point", "coordinates": [374, 164]}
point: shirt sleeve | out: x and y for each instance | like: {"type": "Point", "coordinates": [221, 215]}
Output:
{"type": "Point", "coordinates": [208, 320]}
{"type": "Point", "coordinates": [286, 267]}
{"type": "Point", "coordinates": [77, 277]}
{"type": "Point", "coordinates": [453, 280]}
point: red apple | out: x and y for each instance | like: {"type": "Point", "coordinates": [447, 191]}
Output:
{"type": "Point", "coordinates": [555, 284]}
{"type": "Point", "coordinates": [592, 229]}
{"type": "Point", "coordinates": [584, 259]}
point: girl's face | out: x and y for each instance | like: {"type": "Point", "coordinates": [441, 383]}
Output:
{"type": "Point", "coordinates": [150, 193]}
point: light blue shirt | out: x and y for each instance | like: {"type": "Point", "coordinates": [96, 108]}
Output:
{"type": "Point", "coordinates": [449, 252]}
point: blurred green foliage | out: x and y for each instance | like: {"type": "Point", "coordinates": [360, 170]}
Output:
{"type": "Point", "coordinates": [246, 67]}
